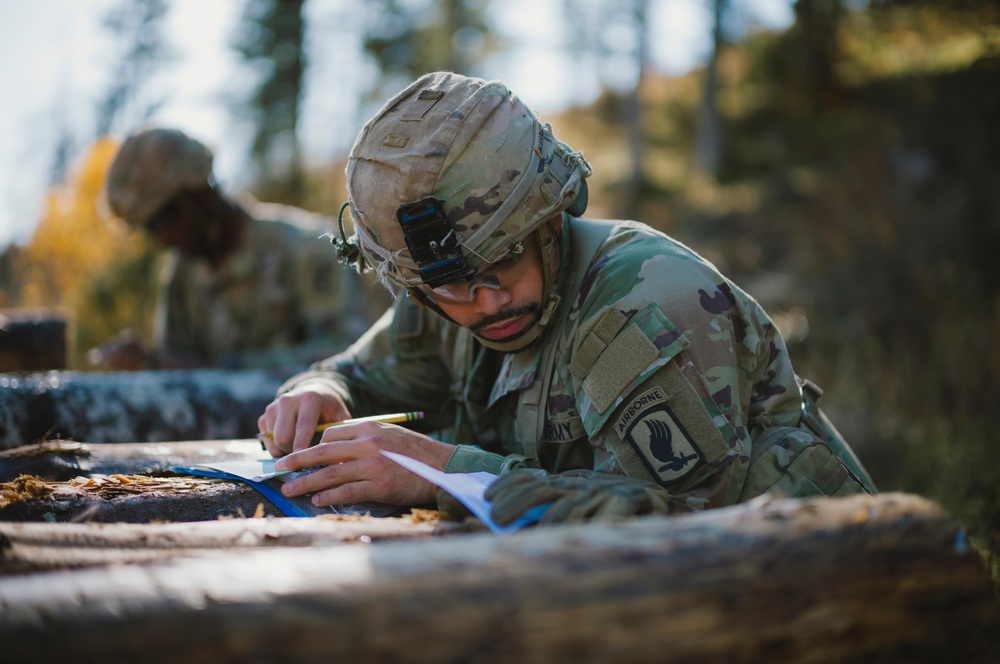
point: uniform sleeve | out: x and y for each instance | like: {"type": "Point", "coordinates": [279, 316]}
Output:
{"type": "Point", "coordinates": [395, 366]}
{"type": "Point", "coordinates": [671, 365]}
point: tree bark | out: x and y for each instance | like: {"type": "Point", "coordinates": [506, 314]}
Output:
{"type": "Point", "coordinates": [122, 407]}
{"type": "Point", "coordinates": [36, 547]}
{"type": "Point", "coordinates": [708, 140]}
{"type": "Point", "coordinates": [130, 482]}
{"type": "Point", "coordinates": [132, 499]}
{"type": "Point", "coordinates": [874, 578]}
{"type": "Point", "coordinates": [135, 483]}
{"type": "Point", "coordinates": [65, 460]}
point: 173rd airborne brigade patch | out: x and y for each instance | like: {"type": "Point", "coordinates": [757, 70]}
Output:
{"type": "Point", "coordinates": [660, 440]}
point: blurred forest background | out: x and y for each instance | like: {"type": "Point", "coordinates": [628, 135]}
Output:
{"type": "Point", "coordinates": [844, 171]}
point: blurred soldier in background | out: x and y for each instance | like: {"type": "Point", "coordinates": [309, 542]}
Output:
{"type": "Point", "coordinates": [242, 286]}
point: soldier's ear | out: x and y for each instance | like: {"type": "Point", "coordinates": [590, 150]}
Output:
{"type": "Point", "coordinates": [556, 223]}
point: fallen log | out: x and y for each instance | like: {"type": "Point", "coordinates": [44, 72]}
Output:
{"type": "Point", "coordinates": [886, 578]}
{"type": "Point", "coordinates": [135, 483]}
{"type": "Point", "coordinates": [33, 338]}
{"type": "Point", "coordinates": [64, 460]}
{"type": "Point", "coordinates": [115, 407]}
{"type": "Point", "coordinates": [35, 547]}
{"type": "Point", "coordinates": [130, 499]}
{"type": "Point", "coordinates": [129, 483]}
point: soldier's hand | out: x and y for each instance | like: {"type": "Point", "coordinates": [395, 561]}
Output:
{"type": "Point", "coordinates": [454, 508]}
{"type": "Point", "coordinates": [356, 470]}
{"type": "Point", "coordinates": [292, 418]}
{"type": "Point", "coordinates": [576, 495]}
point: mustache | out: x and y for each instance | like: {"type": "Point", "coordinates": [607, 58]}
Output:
{"type": "Point", "coordinates": [506, 313]}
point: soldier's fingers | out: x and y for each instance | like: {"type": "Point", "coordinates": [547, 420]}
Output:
{"type": "Point", "coordinates": [514, 478]}
{"type": "Point", "coordinates": [325, 482]}
{"type": "Point", "coordinates": [567, 508]}
{"type": "Point", "coordinates": [615, 507]}
{"type": "Point", "coordinates": [281, 416]}
{"type": "Point", "coordinates": [352, 492]}
{"type": "Point", "coordinates": [307, 417]}
{"type": "Point", "coordinates": [266, 440]}
{"type": "Point", "coordinates": [509, 505]}
{"type": "Point", "coordinates": [320, 480]}
{"type": "Point", "coordinates": [324, 454]}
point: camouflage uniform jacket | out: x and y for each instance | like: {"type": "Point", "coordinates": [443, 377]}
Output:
{"type": "Point", "coordinates": [662, 370]}
{"type": "Point", "coordinates": [279, 300]}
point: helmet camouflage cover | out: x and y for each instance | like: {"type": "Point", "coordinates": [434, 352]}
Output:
{"type": "Point", "coordinates": [151, 168]}
{"type": "Point", "coordinates": [475, 147]}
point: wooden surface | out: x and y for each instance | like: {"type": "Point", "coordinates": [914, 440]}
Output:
{"type": "Point", "coordinates": [127, 482]}
{"type": "Point", "coordinates": [36, 547]}
{"type": "Point", "coordinates": [133, 499]}
{"type": "Point", "coordinates": [64, 460]}
{"type": "Point", "coordinates": [119, 407]}
{"type": "Point", "coordinates": [867, 578]}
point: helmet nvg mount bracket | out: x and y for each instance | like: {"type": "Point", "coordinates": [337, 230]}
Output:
{"type": "Point", "coordinates": [432, 241]}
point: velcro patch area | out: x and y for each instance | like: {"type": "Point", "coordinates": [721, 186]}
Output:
{"type": "Point", "coordinates": [620, 363]}
{"type": "Point", "coordinates": [595, 342]}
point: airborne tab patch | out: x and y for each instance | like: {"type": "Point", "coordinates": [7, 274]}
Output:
{"type": "Point", "coordinates": [664, 445]}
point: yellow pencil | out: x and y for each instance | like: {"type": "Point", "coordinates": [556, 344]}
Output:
{"type": "Point", "coordinates": [394, 418]}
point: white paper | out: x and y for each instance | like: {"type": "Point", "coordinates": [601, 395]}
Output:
{"type": "Point", "coordinates": [468, 488]}
{"type": "Point", "coordinates": [256, 470]}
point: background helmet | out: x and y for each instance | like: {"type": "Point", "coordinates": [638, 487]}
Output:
{"type": "Point", "coordinates": [151, 168]}
{"type": "Point", "coordinates": [475, 150]}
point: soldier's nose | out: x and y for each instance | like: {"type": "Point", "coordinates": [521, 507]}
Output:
{"type": "Point", "coordinates": [490, 300]}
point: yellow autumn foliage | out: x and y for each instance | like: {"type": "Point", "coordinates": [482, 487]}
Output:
{"type": "Point", "coordinates": [77, 236]}
{"type": "Point", "coordinates": [84, 260]}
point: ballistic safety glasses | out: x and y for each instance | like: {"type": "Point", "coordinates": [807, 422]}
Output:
{"type": "Point", "coordinates": [503, 274]}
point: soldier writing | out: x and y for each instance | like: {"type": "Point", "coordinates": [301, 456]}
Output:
{"type": "Point", "coordinates": [251, 286]}
{"type": "Point", "coordinates": [600, 366]}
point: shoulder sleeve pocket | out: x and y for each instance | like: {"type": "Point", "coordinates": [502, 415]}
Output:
{"type": "Point", "coordinates": [617, 354]}
{"type": "Point", "coordinates": [636, 399]}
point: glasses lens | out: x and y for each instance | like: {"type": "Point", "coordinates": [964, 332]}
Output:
{"type": "Point", "coordinates": [501, 275]}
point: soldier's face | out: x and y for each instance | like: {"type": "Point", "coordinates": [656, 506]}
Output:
{"type": "Point", "coordinates": [175, 225]}
{"type": "Point", "coordinates": [504, 313]}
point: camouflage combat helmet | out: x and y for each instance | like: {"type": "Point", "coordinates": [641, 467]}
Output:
{"type": "Point", "coordinates": [151, 168]}
{"type": "Point", "coordinates": [451, 176]}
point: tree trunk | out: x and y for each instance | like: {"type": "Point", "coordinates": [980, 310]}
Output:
{"type": "Point", "coordinates": [632, 112]}
{"type": "Point", "coordinates": [33, 339]}
{"type": "Point", "coordinates": [129, 482]}
{"type": "Point", "coordinates": [708, 141]}
{"type": "Point", "coordinates": [64, 460]}
{"type": "Point", "coordinates": [131, 499]}
{"type": "Point", "coordinates": [136, 483]}
{"type": "Point", "coordinates": [123, 407]}
{"type": "Point", "coordinates": [873, 578]}
{"type": "Point", "coordinates": [36, 547]}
